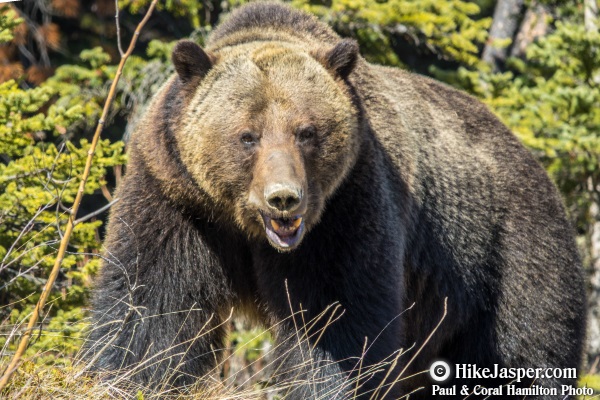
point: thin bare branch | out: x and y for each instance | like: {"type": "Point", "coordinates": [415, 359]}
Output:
{"type": "Point", "coordinates": [98, 211]}
{"type": "Point", "coordinates": [118, 28]}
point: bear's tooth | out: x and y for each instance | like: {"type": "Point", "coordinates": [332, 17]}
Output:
{"type": "Point", "coordinates": [296, 223]}
{"type": "Point", "coordinates": [275, 225]}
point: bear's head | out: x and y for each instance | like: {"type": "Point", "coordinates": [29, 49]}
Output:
{"type": "Point", "coordinates": [269, 131]}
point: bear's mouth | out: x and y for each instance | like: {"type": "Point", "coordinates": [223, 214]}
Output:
{"type": "Point", "coordinates": [284, 233]}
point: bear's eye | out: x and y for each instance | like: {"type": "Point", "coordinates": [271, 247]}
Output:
{"type": "Point", "coordinates": [248, 138]}
{"type": "Point", "coordinates": [306, 133]}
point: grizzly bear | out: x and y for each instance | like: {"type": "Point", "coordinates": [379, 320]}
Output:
{"type": "Point", "coordinates": [349, 207]}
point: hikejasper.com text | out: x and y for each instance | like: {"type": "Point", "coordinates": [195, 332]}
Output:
{"type": "Point", "coordinates": [471, 371]}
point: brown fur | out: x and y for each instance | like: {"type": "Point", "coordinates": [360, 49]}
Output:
{"type": "Point", "coordinates": [410, 191]}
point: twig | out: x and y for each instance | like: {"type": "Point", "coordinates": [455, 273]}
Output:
{"type": "Point", "coordinates": [12, 367]}
{"type": "Point", "coordinates": [28, 227]}
{"type": "Point", "coordinates": [21, 176]}
{"type": "Point", "coordinates": [118, 28]}
{"type": "Point", "coordinates": [98, 211]}
{"type": "Point", "coordinates": [106, 193]}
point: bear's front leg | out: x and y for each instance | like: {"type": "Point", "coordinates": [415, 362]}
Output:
{"type": "Point", "coordinates": [162, 298]}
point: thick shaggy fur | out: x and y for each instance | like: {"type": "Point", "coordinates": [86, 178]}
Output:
{"type": "Point", "coordinates": [416, 194]}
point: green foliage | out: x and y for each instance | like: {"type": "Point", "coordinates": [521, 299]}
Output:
{"type": "Point", "coordinates": [42, 161]}
{"type": "Point", "coordinates": [83, 86]}
{"type": "Point", "coordinates": [190, 9]}
{"type": "Point", "coordinates": [444, 27]}
{"type": "Point", "coordinates": [8, 21]}
{"type": "Point", "coordinates": [249, 343]}
{"type": "Point", "coordinates": [591, 381]}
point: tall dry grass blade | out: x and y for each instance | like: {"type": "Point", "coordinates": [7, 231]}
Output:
{"type": "Point", "coordinates": [420, 349]}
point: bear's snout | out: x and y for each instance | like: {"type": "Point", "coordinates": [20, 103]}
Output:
{"type": "Point", "coordinates": [278, 193]}
{"type": "Point", "coordinates": [279, 182]}
{"type": "Point", "coordinates": [284, 197]}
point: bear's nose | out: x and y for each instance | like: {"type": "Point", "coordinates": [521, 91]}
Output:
{"type": "Point", "coordinates": [283, 197]}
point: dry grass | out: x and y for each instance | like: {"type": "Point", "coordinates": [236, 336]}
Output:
{"type": "Point", "coordinates": [235, 377]}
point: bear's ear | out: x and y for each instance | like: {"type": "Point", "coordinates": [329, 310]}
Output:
{"type": "Point", "coordinates": [191, 61]}
{"type": "Point", "coordinates": [341, 59]}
